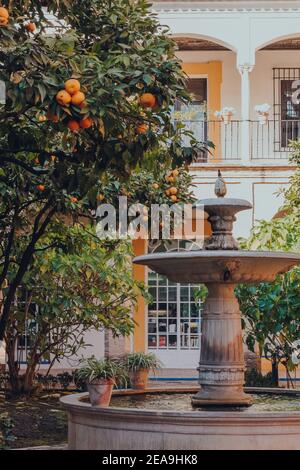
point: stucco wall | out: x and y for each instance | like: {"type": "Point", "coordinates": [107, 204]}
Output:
{"type": "Point", "coordinates": [261, 78]}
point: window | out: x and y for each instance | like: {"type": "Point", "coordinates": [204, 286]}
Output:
{"type": "Point", "coordinates": [194, 115]}
{"type": "Point", "coordinates": [174, 316]}
{"type": "Point", "coordinates": [23, 341]}
{"type": "Point", "coordinates": [286, 111]}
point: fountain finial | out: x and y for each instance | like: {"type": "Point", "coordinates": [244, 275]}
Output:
{"type": "Point", "coordinates": [220, 186]}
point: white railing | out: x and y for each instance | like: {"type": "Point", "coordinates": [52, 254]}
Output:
{"type": "Point", "coordinates": [269, 141]}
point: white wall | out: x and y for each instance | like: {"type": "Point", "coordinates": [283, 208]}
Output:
{"type": "Point", "coordinates": [96, 341]}
{"type": "Point", "coordinates": [242, 30]}
{"type": "Point", "coordinates": [256, 186]}
{"type": "Point", "coordinates": [261, 78]}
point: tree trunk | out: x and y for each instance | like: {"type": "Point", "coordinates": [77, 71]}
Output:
{"type": "Point", "coordinates": [13, 369]}
{"type": "Point", "coordinates": [24, 264]}
{"type": "Point", "coordinates": [29, 378]}
{"type": "Point", "coordinates": [275, 375]}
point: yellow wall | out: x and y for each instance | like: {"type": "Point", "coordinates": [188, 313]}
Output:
{"type": "Point", "coordinates": [213, 71]}
{"type": "Point", "coordinates": [139, 274]}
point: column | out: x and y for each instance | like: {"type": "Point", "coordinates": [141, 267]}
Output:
{"type": "Point", "coordinates": [221, 367]}
{"type": "Point", "coordinates": [245, 70]}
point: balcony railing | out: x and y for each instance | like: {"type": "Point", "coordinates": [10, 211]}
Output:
{"type": "Point", "coordinates": [269, 141]}
{"type": "Point", "coordinates": [272, 140]}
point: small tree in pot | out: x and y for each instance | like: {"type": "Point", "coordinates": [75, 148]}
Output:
{"type": "Point", "coordinates": [138, 366]}
{"type": "Point", "coordinates": [100, 378]}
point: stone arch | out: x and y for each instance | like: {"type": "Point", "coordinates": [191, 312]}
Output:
{"type": "Point", "coordinates": [277, 39]}
{"type": "Point", "coordinates": [205, 37]}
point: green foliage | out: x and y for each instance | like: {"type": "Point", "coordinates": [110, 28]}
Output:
{"type": "Point", "coordinates": [271, 315]}
{"type": "Point", "coordinates": [278, 234]}
{"type": "Point", "coordinates": [76, 282]}
{"type": "Point", "coordinates": [292, 194]}
{"type": "Point", "coordinates": [253, 378]}
{"type": "Point", "coordinates": [118, 51]}
{"type": "Point", "coordinates": [271, 310]}
{"type": "Point", "coordinates": [6, 428]}
{"type": "Point", "coordinates": [139, 360]}
{"type": "Point", "coordinates": [93, 369]}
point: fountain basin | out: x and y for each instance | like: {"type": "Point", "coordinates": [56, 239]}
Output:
{"type": "Point", "coordinates": [238, 267]}
{"type": "Point", "coordinates": [124, 428]}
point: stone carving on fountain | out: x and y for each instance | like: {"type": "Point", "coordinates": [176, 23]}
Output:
{"type": "Point", "coordinates": [221, 266]}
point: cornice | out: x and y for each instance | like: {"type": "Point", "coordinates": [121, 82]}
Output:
{"type": "Point", "coordinates": [225, 10]}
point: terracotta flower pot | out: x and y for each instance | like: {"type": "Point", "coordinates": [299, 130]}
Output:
{"type": "Point", "coordinates": [139, 379]}
{"type": "Point", "coordinates": [100, 392]}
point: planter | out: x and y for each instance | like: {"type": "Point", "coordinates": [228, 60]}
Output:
{"type": "Point", "coordinates": [100, 392]}
{"type": "Point", "coordinates": [139, 379]}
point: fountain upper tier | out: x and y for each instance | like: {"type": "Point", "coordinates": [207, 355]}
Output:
{"type": "Point", "coordinates": [221, 215]}
{"type": "Point", "coordinates": [220, 266]}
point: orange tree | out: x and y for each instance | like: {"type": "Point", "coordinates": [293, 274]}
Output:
{"type": "Point", "coordinates": [89, 90]}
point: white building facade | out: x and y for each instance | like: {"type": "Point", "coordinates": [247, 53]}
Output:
{"type": "Point", "coordinates": [248, 52]}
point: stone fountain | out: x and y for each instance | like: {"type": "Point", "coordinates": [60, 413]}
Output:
{"type": "Point", "coordinates": [221, 266]}
{"type": "Point", "coordinates": [208, 423]}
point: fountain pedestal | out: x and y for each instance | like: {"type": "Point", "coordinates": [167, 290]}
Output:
{"type": "Point", "coordinates": [221, 367]}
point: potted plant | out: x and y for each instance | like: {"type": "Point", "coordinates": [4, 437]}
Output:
{"type": "Point", "coordinates": [100, 377]}
{"type": "Point", "coordinates": [138, 366]}
{"type": "Point", "coordinates": [225, 114]}
{"type": "Point", "coordinates": [263, 112]}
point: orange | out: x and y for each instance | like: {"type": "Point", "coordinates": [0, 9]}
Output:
{"type": "Point", "coordinates": [100, 197]}
{"type": "Point", "coordinates": [83, 105]}
{"type": "Point", "coordinates": [175, 173]}
{"type": "Point", "coordinates": [73, 125]}
{"type": "Point", "coordinates": [4, 13]}
{"type": "Point", "coordinates": [173, 190]}
{"type": "Point", "coordinates": [148, 100]}
{"type": "Point", "coordinates": [72, 86]}
{"type": "Point", "coordinates": [142, 128]}
{"type": "Point", "coordinates": [173, 198]}
{"type": "Point", "coordinates": [74, 199]}
{"type": "Point", "coordinates": [30, 27]}
{"type": "Point", "coordinates": [42, 118]}
{"type": "Point", "coordinates": [169, 179]}
{"type": "Point", "coordinates": [86, 122]}
{"type": "Point", "coordinates": [63, 98]}
{"type": "Point", "coordinates": [40, 187]}
{"type": "Point", "coordinates": [155, 186]}
{"type": "Point", "coordinates": [3, 21]}
{"type": "Point", "coordinates": [167, 192]}
{"type": "Point", "coordinates": [77, 98]}
{"type": "Point", "coordinates": [52, 117]}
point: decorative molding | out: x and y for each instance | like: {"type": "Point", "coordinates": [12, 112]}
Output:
{"type": "Point", "coordinates": [227, 10]}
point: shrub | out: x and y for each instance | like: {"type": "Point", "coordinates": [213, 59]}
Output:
{"type": "Point", "coordinates": [253, 378]}
{"type": "Point", "coordinates": [6, 427]}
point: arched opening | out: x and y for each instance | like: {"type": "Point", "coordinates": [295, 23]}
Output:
{"type": "Point", "coordinates": [201, 42]}
{"type": "Point", "coordinates": [277, 71]}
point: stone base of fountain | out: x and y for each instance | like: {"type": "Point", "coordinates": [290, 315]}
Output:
{"type": "Point", "coordinates": [213, 396]}
{"type": "Point", "coordinates": [114, 428]}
